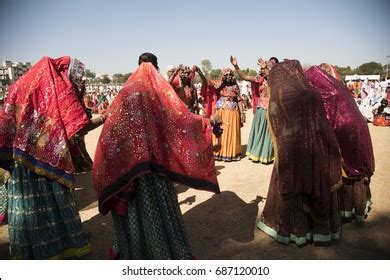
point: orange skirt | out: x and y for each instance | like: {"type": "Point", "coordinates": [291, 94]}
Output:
{"type": "Point", "coordinates": [230, 141]}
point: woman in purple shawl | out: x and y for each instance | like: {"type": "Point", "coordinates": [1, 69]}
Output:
{"type": "Point", "coordinates": [354, 139]}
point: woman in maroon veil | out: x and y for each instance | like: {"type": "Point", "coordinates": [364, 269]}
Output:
{"type": "Point", "coordinates": [354, 139]}
{"type": "Point", "coordinates": [301, 204]}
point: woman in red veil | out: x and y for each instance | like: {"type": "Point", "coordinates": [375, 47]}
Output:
{"type": "Point", "coordinates": [149, 141]}
{"type": "Point", "coordinates": [39, 124]}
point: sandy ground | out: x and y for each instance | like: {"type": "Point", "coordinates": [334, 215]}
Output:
{"type": "Point", "coordinates": [223, 226]}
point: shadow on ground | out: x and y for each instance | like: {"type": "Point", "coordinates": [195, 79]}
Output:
{"type": "Point", "coordinates": [84, 193]}
{"type": "Point", "coordinates": [223, 217]}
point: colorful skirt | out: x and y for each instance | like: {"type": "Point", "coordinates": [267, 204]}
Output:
{"type": "Point", "coordinates": [153, 227]}
{"type": "Point", "coordinates": [260, 148]}
{"type": "Point", "coordinates": [4, 175]}
{"type": "Point", "coordinates": [43, 220]}
{"type": "Point", "coordinates": [229, 145]}
{"type": "Point", "coordinates": [354, 201]}
{"type": "Point", "coordinates": [289, 220]}
{"type": "Point", "coordinates": [3, 204]}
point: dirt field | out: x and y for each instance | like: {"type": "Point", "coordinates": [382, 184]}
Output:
{"type": "Point", "coordinates": [224, 226]}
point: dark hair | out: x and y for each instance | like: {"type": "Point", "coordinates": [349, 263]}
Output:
{"type": "Point", "coordinates": [148, 57]}
{"type": "Point", "coordinates": [274, 58]}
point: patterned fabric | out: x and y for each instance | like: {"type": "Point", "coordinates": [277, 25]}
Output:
{"type": "Point", "coordinates": [188, 95]}
{"type": "Point", "coordinates": [260, 93]}
{"type": "Point", "coordinates": [330, 70]}
{"type": "Point", "coordinates": [153, 227]}
{"type": "Point", "coordinates": [354, 201]}
{"type": "Point", "coordinates": [349, 126]}
{"type": "Point", "coordinates": [43, 219]}
{"type": "Point", "coordinates": [4, 176]}
{"type": "Point", "coordinates": [260, 147]}
{"type": "Point", "coordinates": [76, 71]}
{"type": "Point", "coordinates": [210, 98]}
{"type": "Point", "coordinates": [149, 129]}
{"type": "Point", "coordinates": [230, 142]}
{"type": "Point", "coordinates": [222, 100]}
{"type": "Point", "coordinates": [302, 198]}
{"type": "Point", "coordinates": [41, 114]}
{"type": "Point", "coordinates": [3, 203]}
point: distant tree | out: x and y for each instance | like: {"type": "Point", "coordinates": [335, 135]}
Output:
{"type": "Point", "coordinates": [343, 71]}
{"type": "Point", "coordinates": [105, 79]}
{"type": "Point", "coordinates": [215, 74]}
{"type": "Point", "coordinates": [89, 74]}
{"type": "Point", "coordinates": [126, 77]}
{"type": "Point", "coordinates": [206, 67]}
{"type": "Point", "coordinates": [371, 68]}
{"type": "Point", "coordinates": [117, 78]}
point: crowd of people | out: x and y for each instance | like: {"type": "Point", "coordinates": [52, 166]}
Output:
{"type": "Point", "coordinates": [159, 131]}
{"type": "Point", "coordinates": [372, 98]}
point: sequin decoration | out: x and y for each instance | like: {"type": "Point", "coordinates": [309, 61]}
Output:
{"type": "Point", "coordinates": [149, 129]}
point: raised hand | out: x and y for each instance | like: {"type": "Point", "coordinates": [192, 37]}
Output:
{"type": "Point", "coordinates": [233, 61]}
{"type": "Point", "coordinates": [262, 63]}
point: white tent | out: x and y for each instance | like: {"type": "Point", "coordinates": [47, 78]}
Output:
{"type": "Point", "coordinates": [362, 77]}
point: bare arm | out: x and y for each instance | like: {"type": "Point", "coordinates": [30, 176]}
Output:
{"type": "Point", "coordinates": [243, 76]}
{"type": "Point", "coordinates": [92, 124]}
{"type": "Point", "coordinates": [201, 75]}
{"type": "Point", "coordinates": [174, 75]}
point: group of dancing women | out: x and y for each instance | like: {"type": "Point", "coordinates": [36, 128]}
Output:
{"type": "Point", "coordinates": [306, 123]}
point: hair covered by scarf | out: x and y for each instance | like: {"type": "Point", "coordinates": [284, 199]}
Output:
{"type": "Point", "coordinates": [150, 130]}
{"type": "Point", "coordinates": [347, 122]}
{"type": "Point", "coordinates": [330, 70]}
{"type": "Point", "coordinates": [308, 160]}
{"type": "Point", "coordinates": [41, 113]}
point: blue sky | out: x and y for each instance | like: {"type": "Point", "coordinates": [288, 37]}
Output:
{"type": "Point", "coordinates": [108, 36]}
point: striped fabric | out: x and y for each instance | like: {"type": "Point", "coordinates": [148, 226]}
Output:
{"type": "Point", "coordinates": [43, 219]}
{"type": "Point", "coordinates": [153, 227]}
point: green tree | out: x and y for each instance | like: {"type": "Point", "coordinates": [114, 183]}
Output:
{"type": "Point", "coordinates": [89, 74]}
{"type": "Point", "coordinates": [371, 68]}
{"type": "Point", "coordinates": [126, 77]}
{"type": "Point", "coordinates": [105, 79]}
{"type": "Point", "coordinates": [206, 67]}
{"type": "Point", "coordinates": [215, 74]}
{"type": "Point", "coordinates": [117, 78]}
{"type": "Point", "coordinates": [343, 71]}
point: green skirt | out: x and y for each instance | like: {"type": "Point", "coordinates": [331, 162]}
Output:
{"type": "Point", "coordinates": [43, 220]}
{"type": "Point", "coordinates": [153, 227]}
{"type": "Point", "coordinates": [260, 148]}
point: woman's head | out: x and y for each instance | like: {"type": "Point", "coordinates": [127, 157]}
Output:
{"type": "Point", "coordinates": [228, 76]}
{"type": "Point", "coordinates": [148, 57]}
{"type": "Point", "coordinates": [185, 74]}
{"type": "Point", "coordinates": [76, 75]}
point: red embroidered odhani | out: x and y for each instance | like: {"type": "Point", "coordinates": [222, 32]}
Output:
{"type": "Point", "coordinates": [41, 114]}
{"type": "Point", "coordinates": [150, 130]}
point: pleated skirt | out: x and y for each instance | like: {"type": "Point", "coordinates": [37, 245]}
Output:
{"type": "Point", "coordinates": [153, 227]}
{"type": "Point", "coordinates": [260, 148]}
{"type": "Point", "coordinates": [230, 142]}
{"type": "Point", "coordinates": [43, 220]}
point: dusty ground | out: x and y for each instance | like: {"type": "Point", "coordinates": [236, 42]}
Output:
{"type": "Point", "coordinates": [224, 226]}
